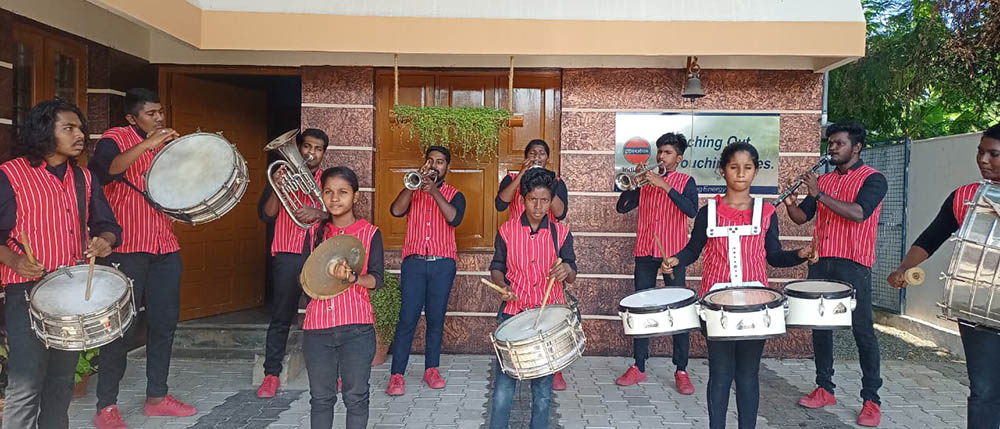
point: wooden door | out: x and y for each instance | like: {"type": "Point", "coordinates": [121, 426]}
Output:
{"type": "Point", "coordinates": [536, 95]}
{"type": "Point", "coordinates": [224, 267]}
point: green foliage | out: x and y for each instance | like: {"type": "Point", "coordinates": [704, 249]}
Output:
{"type": "Point", "coordinates": [385, 305]}
{"type": "Point", "coordinates": [467, 131]}
{"type": "Point", "coordinates": [85, 364]}
{"type": "Point", "coordinates": [932, 68]}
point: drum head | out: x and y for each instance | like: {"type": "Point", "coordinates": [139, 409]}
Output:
{"type": "Point", "coordinates": [59, 295]}
{"type": "Point", "coordinates": [656, 300]}
{"type": "Point", "coordinates": [814, 289]}
{"type": "Point", "coordinates": [743, 299]}
{"type": "Point", "coordinates": [190, 170]}
{"type": "Point", "coordinates": [519, 327]}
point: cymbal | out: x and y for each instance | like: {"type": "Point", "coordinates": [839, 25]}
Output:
{"type": "Point", "coordinates": [315, 277]}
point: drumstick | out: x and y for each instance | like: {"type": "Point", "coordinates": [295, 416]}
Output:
{"type": "Point", "coordinates": [90, 278]}
{"type": "Point", "coordinates": [548, 289]}
{"type": "Point", "coordinates": [914, 276]}
{"type": "Point", "coordinates": [27, 248]}
{"type": "Point", "coordinates": [662, 253]}
{"type": "Point", "coordinates": [495, 287]}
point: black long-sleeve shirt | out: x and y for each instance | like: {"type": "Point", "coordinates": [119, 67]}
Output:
{"type": "Point", "coordinates": [943, 225]}
{"type": "Point", "coordinates": [776, 256]}
{"type": "Point", "coordinates": [499, 261]}
{"type": "Point", "coordinates": [100, 217]}
{"type": "Point", "coordinates": [104, 154]}
{"type": "Point", "coordinates": [869, 196]}
{"type": "Point", "coordinates": [561, 192]}
{"type": "Point", "coordinates": [687, 202]}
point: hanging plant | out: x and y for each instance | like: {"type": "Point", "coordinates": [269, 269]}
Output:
{"type": "Point", "coordinates": [467, 131]}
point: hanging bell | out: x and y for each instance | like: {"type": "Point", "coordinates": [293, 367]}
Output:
{"type": "Point", "coordinates": [692, 89]}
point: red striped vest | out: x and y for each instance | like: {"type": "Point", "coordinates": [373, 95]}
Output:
{"type": "Point", "coordinates": [288, 237]}
{"type": "Point", "coordinates": [657, 213]}
{"type": "Point", "coordinates": [529, 259]}
{"type": "Point", "coordinates": [427, 232]}
{"type": "Point", "coordinates": [962, 201]}
{"type": "Point", "coordinates": [837, 236]}
{"type": "Point", "coordinates": [352, 306]}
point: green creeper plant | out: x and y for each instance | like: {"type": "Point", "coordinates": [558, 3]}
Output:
{"type": "Point", "coordinates": [467, 131]}
{"type": "Point", "coordinates": [385, 304]}
{"type": "Point", "coordinates": [84, 365]}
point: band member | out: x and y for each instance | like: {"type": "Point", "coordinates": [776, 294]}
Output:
{"type": "Point", "coordinates": [41, 193]}
{"type": "Point", "coordinates": [339, 338]}
{"type": "Point", "coordinates": [428, 269]}
{"type": "Point", "coordinates": [665, 204]}
{"type": "Point", "coordinates": [149, 255]}
{"type": "Point", "coordinates": [536, 154]}
{"type": "Point", "coordinates": [737, 361]}
{"type": "Point", "coordinates": [525, 258]}
{"type": "Point", "coordinates": [846, 203]}
{"type": "Point", "coordinates": [289, 250]}
{"type": "Point", "coordinates": [982, 345]}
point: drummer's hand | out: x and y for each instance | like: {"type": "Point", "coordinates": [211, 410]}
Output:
{"type": "Point", "coordinates": [810, 254]}
{"type": "Point", "coordinates": [667, 266]}
{"type": "Point", "coordinates": [160, 137]}
{"type": "Point", "coordinates": [27, 269]}
{"type": "Point", "coordinates": [98, 247]}
{"type": "Point", "coordinates": [897, 279]}
{"type": "Point", "coordinates": [310, 214]}
{"type": "Point", "coordinates": [560, 272]}
{"type": "Point", "coordinates": [508, 295]}
{"type": "Point", "coordinates": [341, 271]}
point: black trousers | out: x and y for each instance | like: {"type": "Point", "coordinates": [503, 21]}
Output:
{"type": "Point", "coordinates": [343, 352]}
{"type": "Point", "coordinates": [739, 362]}
{"type": "Point", "coordinates": [157, 286]}
{"type": "Point", "coordinates": [285, 269]}
{"type": "Point", "coordinates": [645, 278]}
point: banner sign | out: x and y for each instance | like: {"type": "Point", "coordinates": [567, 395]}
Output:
{"type": "Point", "coordinates": [707, 134]}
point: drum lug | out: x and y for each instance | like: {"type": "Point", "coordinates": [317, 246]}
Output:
{"type": "Point", "coordinates": [822, 308]}
{"type": "Point", "coordinates": [670, 318]}
{"type": "Point", "coordinates": [767, 320]}
{"type": "Point", "coordinates": [723, 321]}
{"type": "Point", "coordinates": [628, 320]}
{"type": "Point", "coordinates": [62, 269]}
{"type": "Point", "coordinates": [854, 304]}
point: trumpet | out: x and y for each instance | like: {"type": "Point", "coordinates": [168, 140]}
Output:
{"type": "Point", "coordinates": [414, 180]}
{"type": "Point", "coordinates": [630, 181]}
{"type": "Point", "coordinates": [823, 160]}
{"type": "Point", "coordinates": [295, 177]}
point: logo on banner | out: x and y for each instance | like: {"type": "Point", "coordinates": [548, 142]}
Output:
{"type": "Point", "coordinates": [636, 150]}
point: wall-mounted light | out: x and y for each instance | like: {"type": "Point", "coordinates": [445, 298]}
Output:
{"type": "Point", "coordinates": [692, 88]}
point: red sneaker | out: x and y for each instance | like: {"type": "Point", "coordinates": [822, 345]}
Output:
{"type": "Point", "coordinates": [632, 376]}
{"type": "Point", "coordinates": [109, 418]}
{"type": "Point", "coordinates": [269, 387]}
{"type": "Point", "coordinates": [433, 378]}
{"type": "Point", "coordinates": [340, 385]}
{"type": "Point", "coordinates": [396, 385]}
{"type": "Point", "coordinates": [558, 382]}
{"type": "Point", "coordinates": [870, 415]}
{"type": "Point", "coordinates": [819, 398]}
{"type": "Point", "coordinates": [683, 382]}
{"type": "Point", "coordinates": [170, 406]}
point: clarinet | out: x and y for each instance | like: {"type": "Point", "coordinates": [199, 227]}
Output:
{"type": "Point", "coordinates": [823, 160]}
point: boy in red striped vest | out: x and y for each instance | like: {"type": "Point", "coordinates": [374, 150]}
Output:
{"type": "Point", "coordinates": [982, 344]}
{"type": "Point", "coordinates": [428, 269]}
{"type": "Point", "coordinates": [40, 200]}
{"type": "Point", "coordinates": [665, 205]}
{"type": "Point", "coordinates": [846, 203]}
{"type": "Point", "coordinates": [524, 258]}
{"type": "Point", "coordinates": [289, 249]}
{"type": "Point", "coordinates": [149, 255]}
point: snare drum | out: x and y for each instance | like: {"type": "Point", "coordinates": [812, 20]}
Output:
{"type": "Point", "coordinates": [61, 317]}
{"type": "Point", "coordinates": [819, 304]}
{"type": "Point", "coordinates": [197, 178]}
{"type": "Point", "coordinates": [970, 284]}
{"type": "Point", "coordinates": [525, 352]}
{"type": "Point", "coordinates": [654, 312]}
{"type": "Point", "coordinates": [743, 313]}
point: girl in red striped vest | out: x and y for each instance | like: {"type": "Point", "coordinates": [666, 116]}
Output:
{"type": "Point", "coordinates": [738, 361]}
{"type": "Point", "coordinates": [524, 258]}
{"type": "Point", "coordinates": [982, 345]}
{"type": "Point", "coordinates": [40, 200]}
{"type": "Point", "coordinates": [339, 338]}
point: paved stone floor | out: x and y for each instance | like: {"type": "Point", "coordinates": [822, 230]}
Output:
{"type": "Point", "coordinates": [923, 389]}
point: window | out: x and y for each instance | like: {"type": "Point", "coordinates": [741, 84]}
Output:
{"type": "Point", "coordinates": [47, 66]}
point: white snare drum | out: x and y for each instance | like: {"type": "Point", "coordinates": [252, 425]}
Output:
{"type": "Point", "coordinates": [971, 282]}
{"type": "Point", "coordinates": [64, 320]}
{"type": "Point", "coordinates": [526, 353]}
{"type": "Point", "coordinates": [819, 304]}
{"type": "Point", "coordinates": [743, 313]}
{"type": "Point", "coordinates": [197, 178]}
{"type": "Point", "coordinates": [653, 312]}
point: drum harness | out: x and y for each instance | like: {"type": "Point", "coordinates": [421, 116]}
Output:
{"type": "Point", "coordinates": [156, 206]}
{"type": "Point", "coordinates": [733, 234]}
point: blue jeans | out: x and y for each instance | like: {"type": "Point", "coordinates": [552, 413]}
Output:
{"type": "Point", "coordinates": [504, 387]}
{"type": "Point", "coordinates": [862, 326]}
{"type": "Point", "coordinates": [157, 284]}
{"type": "Point", "coordinates": [982, 347]}
{"type": "Point", "coordinates": [730, 361]}
{"type": "Point", "coordinates": [40, 380]}
{"type": "Point", "coordinates": [345, 352]}
{"type": "Point", "coordinates": [425, 286]}
{"type": "Point", "coordinates": [645, 278]}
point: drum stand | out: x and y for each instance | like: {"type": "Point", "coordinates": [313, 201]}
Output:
{"type": "Point", "coordinates": [733, 234]}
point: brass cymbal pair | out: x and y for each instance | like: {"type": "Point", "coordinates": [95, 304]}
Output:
{"type": "Point", "coordinates": [317, 273]}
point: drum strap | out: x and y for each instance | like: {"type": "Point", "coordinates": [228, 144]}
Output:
{"type": "Point", "coordinates": [154, 204]}
{"type": "Point", "coordinates": [81, 204]}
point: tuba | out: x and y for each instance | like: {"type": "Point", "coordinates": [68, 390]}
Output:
{"type": "Point", "coordinates": [295, 176]}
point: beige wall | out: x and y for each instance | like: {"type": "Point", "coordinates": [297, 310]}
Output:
{"type": "Point", "coordinates": [937, 167]}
